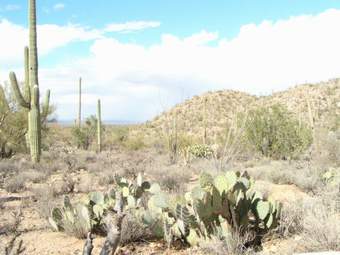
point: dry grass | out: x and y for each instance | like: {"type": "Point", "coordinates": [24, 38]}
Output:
{"type": "Point", "coordinates": [15, 184]}
{"type": "Point", "coordinates": [46, 200]}
{"type": "Point", "coordinates": [320, 229]}
{"type": "Point", "coordinates": [233, 244]}
{"type": "Point", "coordinates": [134, 230]}
{"type": "Point", "coordinates": [300, 173]}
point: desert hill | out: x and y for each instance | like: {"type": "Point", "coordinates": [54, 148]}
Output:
{"type": "Point", "coordinates": [320, 101]}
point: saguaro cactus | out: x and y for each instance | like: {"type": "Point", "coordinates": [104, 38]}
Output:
{"type": "Point", "coordinates": [99, 126]}
{"type": "Point", "coordinates": [31, 98]}
{"type": "Point", "coordinates": [79, 106]}
{"type": "Point", "coordinates": [205, 121]}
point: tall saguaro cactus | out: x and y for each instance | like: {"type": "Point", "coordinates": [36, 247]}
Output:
{"type": "Point", "coordinates": [31, 99]}
{"type": "Point", "coordinates": [99, 126]}
{"type": "Point", "coordinates": [79, 106]}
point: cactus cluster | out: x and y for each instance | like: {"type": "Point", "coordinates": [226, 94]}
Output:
{"type": "Point", "coordinates": [132, 190]}
{"type": "Point", "coordinates": [218, 206]}
{"type": "Point", "coordinates": [200, 151]}
{"type": "Point", "coordinates": [224, 203]}
{"type": "Point", "coordinates": [30, 98]}
{"type": "Point", "coordinates": [88, 214]}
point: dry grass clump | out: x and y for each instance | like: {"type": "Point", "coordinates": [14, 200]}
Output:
{"type": "Point", "coordinates": [233, 244]}
{"type": "Point", "coordinates": [299, 173]}
{"type": "Point", "coordinates": [320, 229]}
{"type": "Point", "coordinates": [314, 221]}
{"type": "Point", "coordinates": [327, 148]}
{"type": "Point", "coordinates": [46, 200]}
{"type": "Point", "coordinates": [15, 184]}
{"type": "Point", "coordinates": [133, 229]}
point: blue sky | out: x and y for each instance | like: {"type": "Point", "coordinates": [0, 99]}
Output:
{"type": "Point", "coordinates": [143, 56]}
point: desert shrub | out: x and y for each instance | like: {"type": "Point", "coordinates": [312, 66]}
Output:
{"type": "Point", "coordinates": [134, 143]}
{"type": "Point", "coordinates": [13, 124]}
{"type": "Point", "coordinates": [84, 136]}
{"type": "Point", "coordinates": [133, 229]}
{"type": "Point", "coordinates": [46, 200]}
{"type": "Point", "coordinates": [15, 184]}
{"type": "Point", "coordinates": [291, 222]}
{"type": "Point", "coordinates": [230, 142]}
{"type": "Point", "coordinates": [276, 134]}
{"type": "Point", "coordinates": [327, 151]}
{"type": "Point", "coordinates": [200, 151]}
{"type": "Point", "coordinates": [119, 134]}
{"type": "Point", "coordinates": [178, 146]}
{"type": "Point", "coordinates": [232, 244]}
{"type": "Point", "coordinates": [320, 232]}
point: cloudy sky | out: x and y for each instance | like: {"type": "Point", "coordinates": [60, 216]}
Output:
{"type": "Point", "coordinates": [143, 56]}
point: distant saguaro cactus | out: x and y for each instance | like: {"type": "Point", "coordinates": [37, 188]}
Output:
{"type": "Point", "coordinates": [205, 121]}
{"type": "Point", "coordinates": [79, 105]}
{"type": "Point", "coordinates": [99, 126]}
{"type": "Point", "coordinates": [30, 99]}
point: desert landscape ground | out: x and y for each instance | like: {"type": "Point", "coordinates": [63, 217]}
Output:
{"type": "Point", "coordinates": [224, 172]}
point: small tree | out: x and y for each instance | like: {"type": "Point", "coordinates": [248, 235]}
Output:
{"type": "Point", "coordinates": [276, 133]}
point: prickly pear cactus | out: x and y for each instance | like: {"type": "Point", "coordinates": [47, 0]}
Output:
{"type": "Point", "coordinates": [216, 207]}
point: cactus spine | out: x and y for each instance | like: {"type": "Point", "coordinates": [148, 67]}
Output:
{"type": "Point", "coordinates": [99, 126]}
{"type": "Point", "coordinates": [31, 99]}
{"type": "Point", "coordinates": [79, 106]}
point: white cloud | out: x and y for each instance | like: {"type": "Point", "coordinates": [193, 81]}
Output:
{"type": "Point", "coordinates": [136, 82]}
{"type": "Point", "coordinates": [15, 37]}
{"type": "Point", "coordinates": [12, 7]}
{"type": "Point", "coordinates": [131, 26]}
{"type": "Point", "coordinates": [58, 6]}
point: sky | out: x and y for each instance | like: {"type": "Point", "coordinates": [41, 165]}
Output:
{"type": "Point", "coordinates": [141, 57]}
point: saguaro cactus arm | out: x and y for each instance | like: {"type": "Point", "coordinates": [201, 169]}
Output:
{"type": "Point", "coordinates": [16, 90]}
{"type": "Point", "coordinates": [46, 105]}
{"type": "Point", "coordinates": [27, 75]}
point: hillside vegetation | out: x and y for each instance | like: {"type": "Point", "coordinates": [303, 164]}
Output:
{"type": "Point", "coordinates": [319, 102]}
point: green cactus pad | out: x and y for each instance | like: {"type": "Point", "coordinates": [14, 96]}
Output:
{"type": "Point", "coordinates": [263, 209]}
{"type": "Point", "coordinates": [125, 191]}
{"type": "Point", "coordinates": [231, 178]}
{"type": "Point", "coordinates": [139, 179]}
{"type": "Point", "coordinates": [221, 183]}
{"type": "Point", "coordinates": [131, 202]}
{"type": "Point", "coordinates": [56, 214]}
{"type": "Point", "coordinates": [155, 188]}
{"type": "Point", "coordinates": [67, 203]}
{"type": "Point", "coordinates": [146, 185]}
{"type": "Point", "coordinates": [98, 210]}
{"type": "Point", "coordinates": [97, 197]}
{"type": "Point", "coordinates": [53, 224]}
{"type": "Point", "coordinates": [206, 180]}
{"type": "Point", "coordinates": [160, 200]}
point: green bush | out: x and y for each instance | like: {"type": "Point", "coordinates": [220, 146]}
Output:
{"type": "Point", "coordinates": [120, 134]}
{"type": "Point", "coordinates": [13, 124]}
{"type": "Point", "coordinates": [134, 142]}
{"type": "Point", "coordinates": [276, 133]}
{"type": "Point", "coordinates": [84, 136]}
